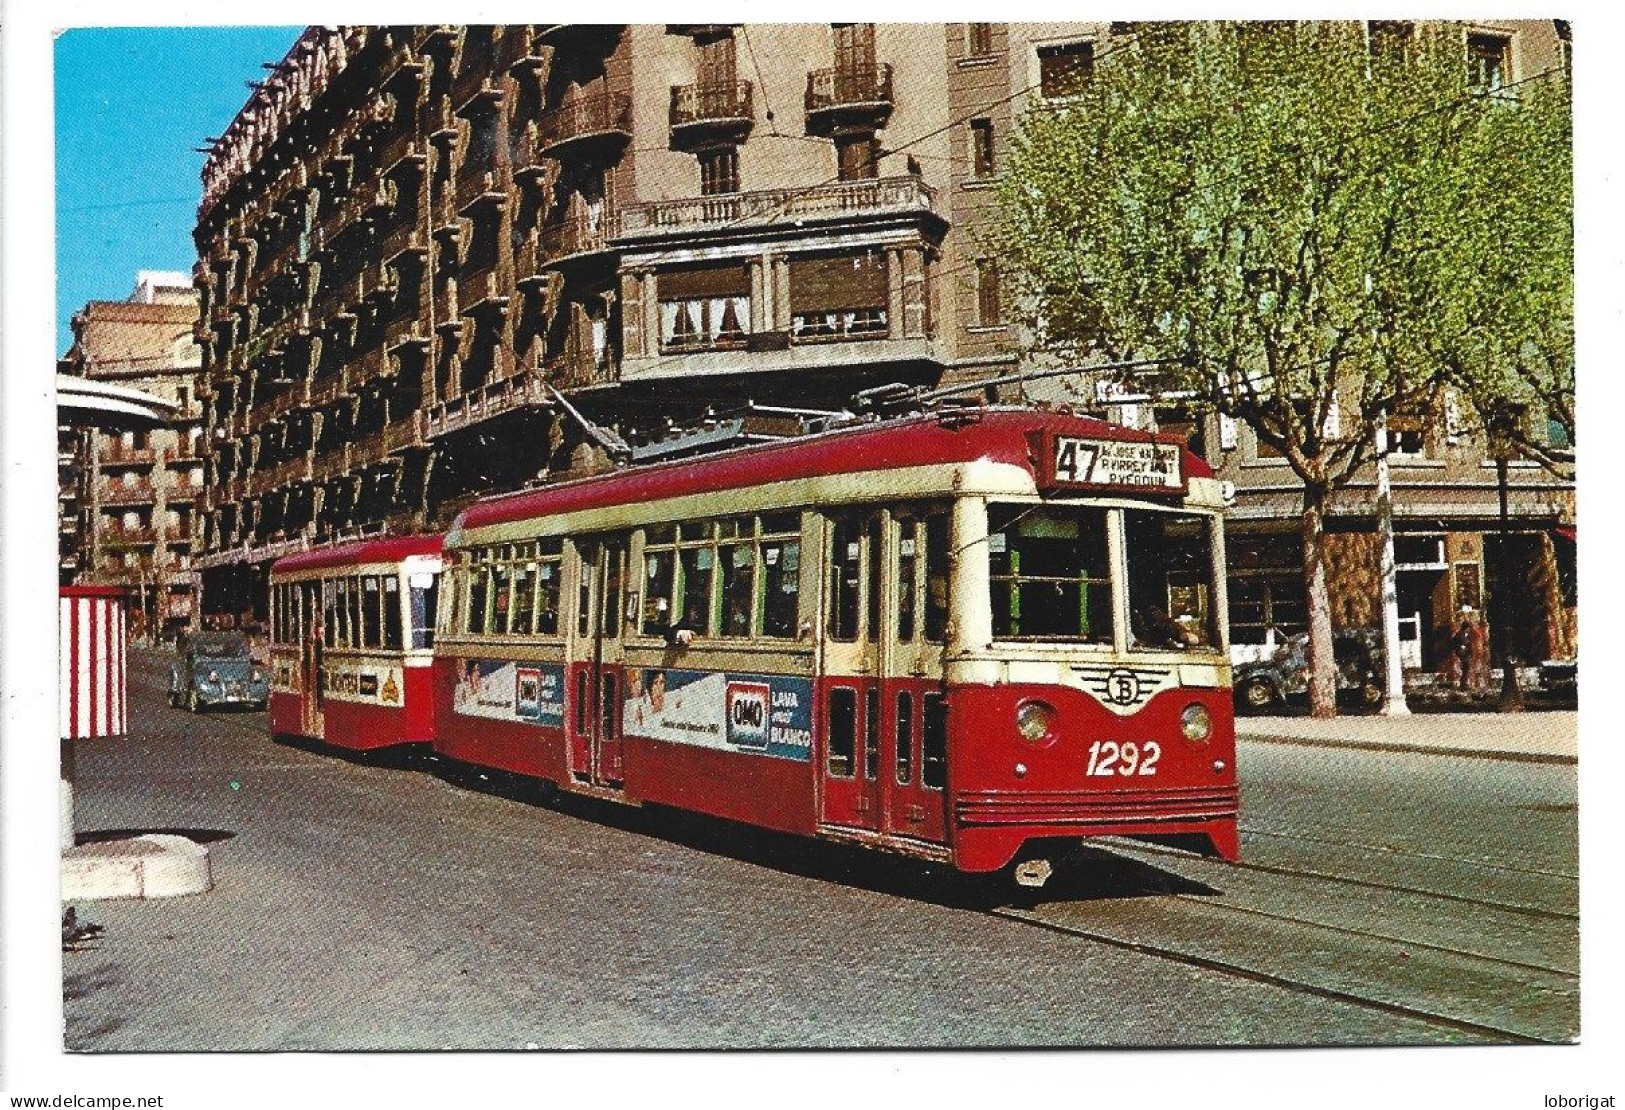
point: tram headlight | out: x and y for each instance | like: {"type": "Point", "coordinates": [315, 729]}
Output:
{"type": "Point", "coordinates": [1034, 720]}
{"type": "Point", "coordinates": [1196, 723]}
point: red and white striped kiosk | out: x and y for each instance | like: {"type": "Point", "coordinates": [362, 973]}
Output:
{"type": "Point", "coordinates": [91, 697]}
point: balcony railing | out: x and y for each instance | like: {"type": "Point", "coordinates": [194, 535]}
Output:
{"type": "Point", "coordinates": [493, 399]}
{"type": "Point", "coordinates": [116, 454]}
{"type": "Point", "coordinates": [599, 115]}
{"type": "Point", "coordinates": [126, 493]}
{"type": "Point", "coordinates": [583, 231]}
{"type": "Point", "coordinates": [406, 432]}
{"type": "Point", "coordinates": [835, 201]}
{"type": "Point", "coordinates": [484, 290]}
{"type": "Point", "coordinates": [849, 87]}
{"type": "Point", "coordinates": [476, 185]}
{"type": "Point", "coordinates": [407, 238]}
{"type": "Point", "coordinates": [703, 105]}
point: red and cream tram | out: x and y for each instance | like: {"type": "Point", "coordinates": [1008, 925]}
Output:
{"type": "Point", "coordinates": [352, 642]}
{"type": "Point", "coordinates": [974, 637]}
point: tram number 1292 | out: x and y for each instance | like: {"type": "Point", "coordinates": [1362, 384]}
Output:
{"type": "Point", "coordinates": [1108, 757]}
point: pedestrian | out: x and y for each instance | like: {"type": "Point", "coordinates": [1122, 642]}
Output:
{"type": "Point", "coordinates": [1461, 652]}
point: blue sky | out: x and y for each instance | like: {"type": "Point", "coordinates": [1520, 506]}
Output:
{"type": "Point", "coordinates": [131, 103]}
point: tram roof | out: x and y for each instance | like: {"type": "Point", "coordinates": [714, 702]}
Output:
{"type": "Point", "coordinates": [386, 549]}
{"type": "Point", "coordinates": [951, 436]}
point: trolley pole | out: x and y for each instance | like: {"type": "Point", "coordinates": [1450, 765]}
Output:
{"type": "Point", "coordinates": [1393, 704]}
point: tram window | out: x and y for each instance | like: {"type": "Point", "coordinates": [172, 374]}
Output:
{"type": "Point", "coordinates": [843, 730]}
{"type": "Point", "coordinates": [874, 577]}
{"type": "Point", "coordinates": [738, 588]}
{"type": "Point", "coordinates": [524, 599]}
{"type": "Point", "coordinates": [356, 606]}
{"type": "Point", "coordinates": [586, 569]}
{"type": "Point", "coordinates": [658, 572]}
{"type": "Point", "coordinates": [501, 598]}
{"type": "Point", "coordinates": [871, 735]}
{"type": "Point", "coordinates": [392, 613]}
{"type": "Point", "coordinates": [614, 585]}
{"type": "Point", "coordinates": [372, 633]}
{"type": "Point", "coordinates": [549, 573]}
{"type": "Point", "coordinates": [782, 573]}
{"type": "Point", "coordinates": [697, 565]}
{"type": "Point", "coordinates": [1050, 573]}
{"type": "Point", "coordinates": [478, 588]}
{"type": "Point", "coordinates": [1169, 580]}
{"type": "Point", "coordinates": [776, 524]}
{"type": "Point", "coordinates": [934, 741]}
{"type": "Point", "coordinates": [908, 556]}
{"type": "Point", "coordinates": [936, 576]}
{"type": "Point", "coordinates": [846, 543]}
{"type": "Point", "coordinates": [905, 737]}
{"type": "Point", "coordinates": [422, 594]}
{"type": "Point", "coordinates": [342, 607]}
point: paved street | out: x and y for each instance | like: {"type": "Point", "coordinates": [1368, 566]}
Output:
{"type": "Point", "coordinates": [1384, 896]}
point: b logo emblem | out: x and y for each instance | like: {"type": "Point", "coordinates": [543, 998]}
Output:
{"type": "Point", "coordinates": [1123, 686]}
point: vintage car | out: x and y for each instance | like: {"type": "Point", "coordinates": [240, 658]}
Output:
{"type": "Point", "coordinates": [216, 668]}
{"type": "Point", "coordinates": [1270, 682]}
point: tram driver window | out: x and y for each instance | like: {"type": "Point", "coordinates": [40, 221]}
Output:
{"type": "Point", "coordinates": [422, 589]}
{"type": "Point", "coordinates": [1050, 573]}
{"type": "Point", "coordinates": [1169, 580]}
{"type": "Point", "coordinates": [371, 612]}
{"type": "Point", "coordinates": [392, 613]}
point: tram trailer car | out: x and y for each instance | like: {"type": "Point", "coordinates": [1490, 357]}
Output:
{"type": "Point", "coordinates": [972, 637]}
{"type": "Point", "coordinates": [352, 637]}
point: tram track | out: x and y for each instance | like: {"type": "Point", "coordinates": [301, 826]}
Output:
{"type": "Point", "coordinates": [1282, 982]}
{"type": "Point", "coordinates": [1375, 884]}
{"type": "Point", "coordinates": [1388, 850]}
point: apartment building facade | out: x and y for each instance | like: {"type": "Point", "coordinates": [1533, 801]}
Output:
{"type": "Point", "coordinates": [412, 236]}
{"type": "Point", "coordinates": [134, 496]}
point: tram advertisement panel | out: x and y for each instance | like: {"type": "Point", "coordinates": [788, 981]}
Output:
{"type": "Point", "coordinates": [507, 691]}
{"type": "Point", "coordinates": [761, 714]}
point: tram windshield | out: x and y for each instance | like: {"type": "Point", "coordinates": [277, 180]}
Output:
{"type": "Point", "coordinates": [1170, 580]}
{"type": "Point", "coordinates": [1051, 576]}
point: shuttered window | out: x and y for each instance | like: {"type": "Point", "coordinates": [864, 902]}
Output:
{"type": "Point", "coordinates": [838, 297]}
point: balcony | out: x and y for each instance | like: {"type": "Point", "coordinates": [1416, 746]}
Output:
{"type": "Point", "coordinates": [837, 202]}
{"type": "Point", "coordinates": [484, 291]}
{"type": "Point", "coordinates": [571, 37]}
{"type": "Point", "coordinates": [328, 388]}
{"type": "Point", "coordinates": [371, 366]}
{"type": "Point", "coordinates": [404, 331]}
{"type": "Point", "coordinates": [848, 98]}
{"type": "Point", "coordinates": [405, 433]}
{"type": "Point", "coordinates": [330, 464]}
{"type": "Point", "coordinates": [493, 399]}
{"type": "Point", "coordinates": [710, 113]}
{"type": "Point", "coordinates": [406, 239]}
{"type": "Point", "coordinates": [406, 149]}
{"type": "Point", "coordinates": [133, 537]}
{"type": "Point", "coordinates": [126, 493]}
{"type": "Point", "coordinates": [117, 454]}
{"type": "Point", "coordinates": [583, 232]}
{"type": "Point", "coordinates": [478, 185]}
{"type": "Point", "coordinates": [599, 122]}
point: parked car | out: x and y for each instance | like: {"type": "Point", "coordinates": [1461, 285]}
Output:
{"type": "Point", "coordinates": [1270, 682]}
{"type": "Point", "coordinates": [215, 668]}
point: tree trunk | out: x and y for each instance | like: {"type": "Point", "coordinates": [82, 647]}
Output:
{"type": "Point", "coordinates": [1322, 662]}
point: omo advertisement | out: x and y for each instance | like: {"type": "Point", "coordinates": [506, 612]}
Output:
{"type": "Point", "coordinates": [763, 714]}
{"type": "Point", "coordinates": [507, 691]}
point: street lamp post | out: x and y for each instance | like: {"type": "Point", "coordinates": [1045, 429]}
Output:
{"type": "Point", "coordinates": [1393, 704]}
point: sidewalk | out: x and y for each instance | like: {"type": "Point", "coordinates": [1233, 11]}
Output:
{"type": "Point", "coordinates": [1545, 737]}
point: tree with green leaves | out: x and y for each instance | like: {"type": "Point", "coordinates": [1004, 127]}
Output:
{"type": "Point", "coordinates": [1294, 215]}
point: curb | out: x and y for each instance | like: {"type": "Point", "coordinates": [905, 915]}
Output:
{"type": "Point", "coordinates": [1419, 749]}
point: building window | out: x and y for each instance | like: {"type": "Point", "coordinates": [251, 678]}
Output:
{"type": "Point", "coordinates": [857, 157]}
{"type": "Point", "coordinates": [988, 314]}
{"type": "Point", "coordinates": [1185, 424]}
{"type": "Point", "coordinates": [704, 308]}
{"type": "Point", "coordinates": [719, 171]}
{"type": "Point", "coordinates": [981, 142]}
{"type": "Point", "coordinates": [1065, 68]}
{"type": "Point", "coordinates": [1488, 62]}
{"type": "Point", "coordinates": [979, 39]}
{"type": "Point", "coordinates": [1407, 434]}
{"type": "Point", "coordinates": [834, 297]}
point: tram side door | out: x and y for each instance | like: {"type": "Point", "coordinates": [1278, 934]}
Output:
{"type": "Point", "coordinates": [850, 703]}
{"type": "Point", "coordinates": [311, 613]}
{"type": "Point", "coordinates": [598, 663]}
{"type": "Point", "coordinates": [913, 625]}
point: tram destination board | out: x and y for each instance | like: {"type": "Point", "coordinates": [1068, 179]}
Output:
{"type": "Point", "coordinates": [1145, 466]}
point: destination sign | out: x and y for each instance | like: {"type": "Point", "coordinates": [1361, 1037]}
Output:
{"type": "Point", "coordinates": [1106, 462]}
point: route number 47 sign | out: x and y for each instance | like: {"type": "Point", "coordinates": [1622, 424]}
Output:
{"type": "Point", "coordinates": [1095, 462]}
